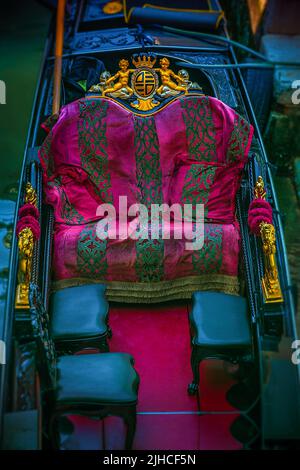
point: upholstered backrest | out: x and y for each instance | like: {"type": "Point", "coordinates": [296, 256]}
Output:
{"type": "Point", "coordinates": [192, 151]}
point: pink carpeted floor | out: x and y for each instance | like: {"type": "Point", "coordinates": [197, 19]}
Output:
{"type": "Point", "coordinates": [158, 339]}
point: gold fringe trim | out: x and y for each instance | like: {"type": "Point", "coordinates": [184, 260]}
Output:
{"type": "Point", "coordinates": [162, 291]}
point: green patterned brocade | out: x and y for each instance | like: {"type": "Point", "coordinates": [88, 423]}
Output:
{"type": "Point", "coordinates": [68, 213]}
{"type": "Point", "coordinates": [149, 253]}
{"type": "Point", "coordinates": [93, 146]}
{"type": "Point", "coordinates": [46, 155]}
{"type": "Point", "coordinates": [209, 258]}
{"type": "Point", "coordinates": [198, 182]}
{"type": "Point", "coordinates": [200, 131]}
{"type": "Point", "coordinates": [91, 253]}
{"type": "Point", "coordinates": [238, 140]}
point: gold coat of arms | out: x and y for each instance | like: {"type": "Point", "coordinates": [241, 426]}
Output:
{"type": "Point", "coordinates": [143, 83]}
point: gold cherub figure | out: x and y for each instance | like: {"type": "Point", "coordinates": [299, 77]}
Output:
{"type": "Point", "coordinates": [166, 75]}
{"type": "Point", "coordinates": [259, 188]}
{"type": "Point", "coordinates": [123, 78]}
{"type": "Point", "coordinates": [30, 194]}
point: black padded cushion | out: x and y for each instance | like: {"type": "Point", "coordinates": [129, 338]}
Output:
{"type": "Point", "coordinates": [206, 21]}
{"type": "Point", "coordinates": [87, 379]}
{"type": "Point", "coordinates": [219, 320]}
{"type": "Point", "coordinates": [78, 312]}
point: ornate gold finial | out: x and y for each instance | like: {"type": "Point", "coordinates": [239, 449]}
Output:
{"type": "Point", "coordinates": [30, 196]}
{"type": "Point", "coordinates": [25, 244]}
{"type": "Point", "coordinates": [270, 282]}
{"type": "Point", "coordinates": [144, 61]}
{"type": "Point", "coordinates": [259, 188]}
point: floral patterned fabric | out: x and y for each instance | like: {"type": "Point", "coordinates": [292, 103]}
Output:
{"type": "Point", "coordinates": [191, 152]}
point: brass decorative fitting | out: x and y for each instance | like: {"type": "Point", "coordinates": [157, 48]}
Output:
{"type": "Point", "coordinates": [26, 246]}
{"type": "Point", "coordinates": [270, 282]}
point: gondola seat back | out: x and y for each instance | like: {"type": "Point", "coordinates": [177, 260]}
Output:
{"type": "Point", "coordinates": [189, 153]}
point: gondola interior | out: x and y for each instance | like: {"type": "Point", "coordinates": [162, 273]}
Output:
{"type": "Point", "coordinates": [175, 349]}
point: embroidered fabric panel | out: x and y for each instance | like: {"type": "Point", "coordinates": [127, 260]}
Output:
{"type": "Point", "coordinates": [238, 140]}
{"type": "Point", "coordinates": [200, 131]}
{"type": "Point", "coordinates": [209, 257]}
{"type": "Point", "coordinates": [68, 212]}
{"type": "Point", "coordinates": [46, 155]}
{"type": "Point", "coordinates": [91, 253]}
{"type": "Point", "coordinates": [93, 145]}
{"type": "Point", "coordinates": [198, 181]}
{"type": "Point", "coordinates": [149, 263]}
{"type": "Point", "coordinates": [148, 170]}
{"type": "Point", "coordinates": [149, 253]}
{"type": "Point", "coordinates": [50, 122]}
{"type": "Point", "coordinates": [214, 266]}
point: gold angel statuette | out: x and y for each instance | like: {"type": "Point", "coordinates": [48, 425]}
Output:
{"type": "Point", "coordinates": [167, 75]}
{"type": "Point", "coordinates": [122, 77]}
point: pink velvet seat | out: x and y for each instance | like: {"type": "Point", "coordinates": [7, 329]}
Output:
{"type": "Point", "coordinates": [191, 152]}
